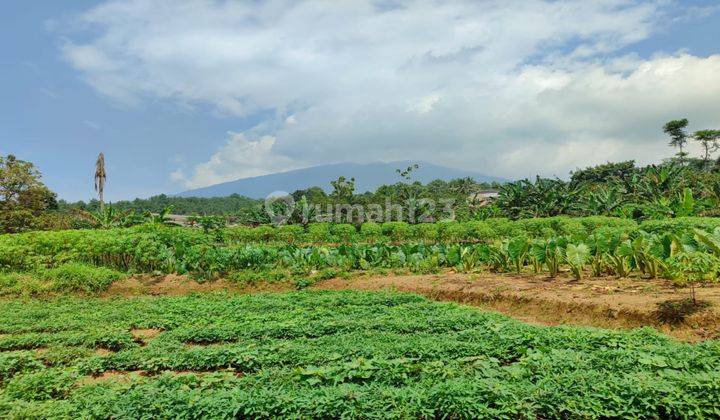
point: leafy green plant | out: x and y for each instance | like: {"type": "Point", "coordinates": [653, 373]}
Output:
{"type": "Point", "coordinates": [576, 257]}
{"type": "Point", "coordinates": [328, 354]}
{"type": "Point", "coordinates": [209, 224]}
{"type": "Point", "coordinates": [77, 277]}
{"type": "Point", "coordinates": [688, 268]}
{"type": "Point", "coordinates": [517, 252]}
{"type": "Point", "coordinates": [469, 259]}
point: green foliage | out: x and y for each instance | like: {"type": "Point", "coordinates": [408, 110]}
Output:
{"type": "Point", "coordinates": [343, 232]}
{"type": "Point", "coordinates": [23, 196]}
{"type": "Point", "coordinates": [615, 246]}
{"type": "Point", "coordinates": [576, 257]}
{"type": "Point", "coordinates": [69, 277]}
{"type": "Point", "coordinates": [338, 355]}
{"type": "Point", "coordinates": [678, 136]}
{"type": "Point", "coordinates": [208, 224]}
{"type": "Point", "coordinates": [78, 277]}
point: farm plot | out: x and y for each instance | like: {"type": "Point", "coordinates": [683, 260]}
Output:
{"type": "Point", "coordinates": [334, 354]}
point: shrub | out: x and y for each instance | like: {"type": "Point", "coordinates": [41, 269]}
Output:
{"type": "Point", "coordinates": [291, 234]}
{"type": "Point", "coordinates": [680, 224]}
{"type": "Point", "coordinates": [264, 233]}
{"type": "Point", "coordinates": [370, 231]}
{"type": "Point", "coordinates": [450, 231]}
{"type": "Point", "coordinates": [503, 228]}
{"type": "Point", "coordinates": [343, 232]}
{"type": "Point", "coordinates": [480, 231]}
{"type": "Point", "coordinates": [427, 232]}
{"type": "Point", "coordinates": [320, 232]}
{"type": "Point", "coordinates": [77, 277]}
{"type": "Point", "coordinates": [24, 284]}
{"type": "Point", "coordinates": [396, 231]}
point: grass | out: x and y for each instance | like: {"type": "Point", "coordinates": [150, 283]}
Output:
{"type": "Point", "coordinates": [335, 354]}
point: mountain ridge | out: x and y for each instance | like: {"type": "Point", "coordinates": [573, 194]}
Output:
{"type": "Point", "coordinates": [368, 177]}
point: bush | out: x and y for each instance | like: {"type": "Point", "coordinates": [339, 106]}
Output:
{"type": "Point", "coordinates": [427, 232]}
{"type": "Point", "coordinates": [77, 277]}
{"type": "Point", "coordinates": [319, 232]}
{"type": "Point", "coordinates": [370, 231]}
{"type": "Point", "coordinates": [343, 232]}
{"type": "Point", "coordinates": [22, 284]}
{"type": "Point", "coordinates": [291, 234]}
{"type": "Point", "coordinates": [504, 228]}
{"type": "Point", "coordinates": [680, 224]}
{"type": "Point", "coordinates": [480, 231]}
{"type": "Point", "coordinates": [396, 231]}
{"type": "Point", "coordinates": [450, 231]}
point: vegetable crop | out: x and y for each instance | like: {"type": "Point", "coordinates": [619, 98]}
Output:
{"type": "Point", "coordinates": [335, 354]}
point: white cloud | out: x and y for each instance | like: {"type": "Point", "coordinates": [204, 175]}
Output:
{"type": "Point", "coordinates": [508, 88]}
{"type": "Point", "coordinates": [240, 157]}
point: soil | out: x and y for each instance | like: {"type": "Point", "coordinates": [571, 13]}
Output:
{"type": "Point", "coordinates": [180, 285]}
{"type": "Point", "coordinates": [605, 302]}
{"type": "Point", "coordinates": [144, 334]}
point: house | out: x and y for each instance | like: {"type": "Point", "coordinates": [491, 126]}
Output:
{"type": "Point", "coordinates": [483, 197]}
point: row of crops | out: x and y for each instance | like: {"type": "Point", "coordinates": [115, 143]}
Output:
{"type": "Point", "coordinates": [684, 250]}
{"type": "Point", "coordinates": [335, 355]}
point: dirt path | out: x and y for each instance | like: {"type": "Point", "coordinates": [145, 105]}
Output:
{"type": "Point", "coordinates": [605, 302]}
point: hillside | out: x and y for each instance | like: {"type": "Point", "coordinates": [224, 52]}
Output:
{"type": "Point", "coordinates": [368, 177]}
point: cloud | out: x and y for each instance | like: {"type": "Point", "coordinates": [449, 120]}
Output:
{"type": "Point", "coordinates": [507, 88]}
{"type": "Point", "coordinates": [240, 157]}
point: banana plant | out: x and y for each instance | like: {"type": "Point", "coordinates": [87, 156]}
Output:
{"type": "Point", "coordinates": [162, 218]}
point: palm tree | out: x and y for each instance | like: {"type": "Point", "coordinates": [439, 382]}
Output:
{"type": "Point", "coordinates": [100, 177]}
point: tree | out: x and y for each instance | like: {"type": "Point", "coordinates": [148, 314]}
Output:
{"type": "Point", "coordinates": [406, 173]}
{"type": "Point", "coordinates": [605, 173]}
{"type": "Point", "coordinates": [709, 141]}
{"type": "Point", "coordinates": [100, 177]}
{"type": "Point", "coordinates": [343, 189]}
{"type": "Point", "coordinates": [678, 136]}
{"type": "Point", "coordinates": [23, 197]}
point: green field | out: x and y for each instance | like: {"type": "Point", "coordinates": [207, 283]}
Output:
{"type": "Point", "coordinates": [66, 353]}
{"type": "Point", "coordinates": [335, 354]}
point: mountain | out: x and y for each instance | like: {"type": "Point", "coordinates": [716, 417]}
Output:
{"type": "Point", "coordinates": [367, 178]}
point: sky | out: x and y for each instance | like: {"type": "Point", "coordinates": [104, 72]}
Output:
{"type": "Point", "coordinates": [181, 94]}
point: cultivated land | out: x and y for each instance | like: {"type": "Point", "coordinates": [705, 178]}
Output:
{"type": "Point", "coordinates": [328, 321]}
{"type": "Point", "coordinates": [335, 354]}
{"type": "Point", "coordinates": [595, 302]}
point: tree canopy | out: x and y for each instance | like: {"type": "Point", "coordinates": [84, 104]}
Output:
{"type": "Point", "coordinates": [23, 196]}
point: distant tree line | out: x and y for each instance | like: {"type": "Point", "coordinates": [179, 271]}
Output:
{"type": "Point", "coordinates": [679, 186]}
{"type": "Point", "coordinates": [180, 205]}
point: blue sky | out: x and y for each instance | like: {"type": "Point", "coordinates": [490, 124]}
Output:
{"type": "Point", "coordinates": [188, 93]}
